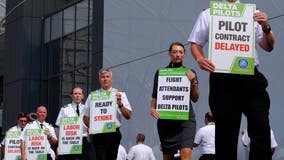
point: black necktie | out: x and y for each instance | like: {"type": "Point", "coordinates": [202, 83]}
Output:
{"type": "Point", "coordinates": [77, 110]}
{"type": "Point", "coordinates": [22, 129]}
{"type": "Point", "coordinates": [41, 125]}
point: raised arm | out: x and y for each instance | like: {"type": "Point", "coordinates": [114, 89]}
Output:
{"type": "Point", "coordinates": [268, 40]}
{"type": "Point", "coordinates": [86, 120]}
{"type": "Point", "coordinates": [23, 150]}
{"type": "Point", "coordinates": [204, 63]}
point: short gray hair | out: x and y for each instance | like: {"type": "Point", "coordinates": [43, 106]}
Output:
{"type": "Point", "coordinates": [104, 70]}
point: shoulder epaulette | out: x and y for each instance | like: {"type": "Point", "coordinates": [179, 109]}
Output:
{"type": "Point", "coordinates": [205, 9]}
{"type": "Point", "coordinates": [65, 106]}
{"type": "Point", "coordinates": [9, 128]}
{"type": "Point", "coordinates": [94, 91]}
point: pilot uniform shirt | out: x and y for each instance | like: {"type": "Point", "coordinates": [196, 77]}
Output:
{"type": "Point", "coordinates": [140, 152]}
{"type": "Point", "coordinates": [121, 154]}
{"type": "Point", "coordinates": [70, 111]}
{"type": "Point", "coordinates": [205, 137]}
{"type": "Point", "coordinates": [246, 139]}
{"type": "Point", "coordinates": [124, 101]}
{"type": "Point", "coordinates": [13, 129]}
{"type": "Point", "coordinates": [36, 125]}
{"type": "Point", "coordinates": [200, 32]}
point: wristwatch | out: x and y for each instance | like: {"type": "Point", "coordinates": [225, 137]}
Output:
{"type": "Point", "coordinates": [266, 28]}
{"type": "Point", "coordinates": [194, 81]}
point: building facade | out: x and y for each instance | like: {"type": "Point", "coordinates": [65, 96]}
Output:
{"type": "Point", "coordinates": [50, 47]}
{"type": "Point", "coordinates": [46, 52]}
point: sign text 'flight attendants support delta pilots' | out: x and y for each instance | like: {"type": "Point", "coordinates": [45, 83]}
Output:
{"type": "Point", "coordinates": [173, 94]}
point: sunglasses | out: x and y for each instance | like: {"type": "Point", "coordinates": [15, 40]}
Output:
{"type": "Point", "coordinates": [23, 121]}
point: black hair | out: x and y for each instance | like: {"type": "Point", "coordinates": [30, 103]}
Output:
{"type": "Point", "coordinates": [140, 137]}
{"type": "Point", "coordinates": [209, 117]}
{"type": "Point", "coordinates": [22, 115]}
{"type": "Point", "coordinates": [76, 87]}
{"type": "Point", "coordinates": [176, 43]}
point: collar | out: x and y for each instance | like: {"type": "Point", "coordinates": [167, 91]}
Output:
{"type": "Point", "coordinates": [238, 1]}
{"type": "Point", "coordinates": [40, 122]}
{"type": "Point", "coordinates": [19, 128]}
{"type": "Point", "coordinates": [211, 123]}
{"type": "Point", "coordinates": [110, 89]}
{"type": "Point", "coordinates": [74, 104]}
{"type": "Point", "coordinates": [175, 65]}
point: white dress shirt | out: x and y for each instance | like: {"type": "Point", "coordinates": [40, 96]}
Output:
{"type": "Point", "coordinates": [200, 31]}
{"type": "Point", "coordinates": [15, 128]}
{"type": "Point", "coordinates": [70, 111]}
{"type": "Point", "coordinates": [121, 154]}
{"type": "Point", "coordinates": [124, 101]}
{"type": "Point", "coordinates": [35, 125]}
{"type": "Point", "coordinates": [205, 137]}
{"type": "Point", "coordinates": [140, 152]}
{"type": "Point", "coordinates": [246, 139]}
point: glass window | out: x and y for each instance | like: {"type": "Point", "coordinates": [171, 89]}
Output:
{"type": "Point", "coordinates": [1, 91]}
{"type": "Point", "coordinates": [82, 14]}
{"type": "Point", "coordinates": [90, 11]}
{"type": "Point", "coordinates": [82, 57]}
{"type": "Point", "coordinates": [69, 20]}
{"type": "Point", "coordinates": [47, 30]}
{"type": "Point", "coordinates": [90, 58]}
{"type": "Point", "coordinates": [51, 83]}
{"type": "Point", "coordinates": [68, 64]}
{"type": "Point", "coordinates": [69, 51]}
{"type": "Point", "coordinates": [56, 26]}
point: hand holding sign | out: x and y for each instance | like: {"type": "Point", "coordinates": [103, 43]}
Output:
{"type": "Point", "coordinates": [206, 65]}
{"type": "Point", "coordinates": [203, 62]}
{"type": "Point", "coordinates": [190, 75]}
{"type": "Point", "coordinates": [118, 98]}
{"type": "Point", "coordinates": [46, 132]}
{"type": "Point", "coordinates": [154, 113]}
{"type": "Point", "coordinates": [261, 18]}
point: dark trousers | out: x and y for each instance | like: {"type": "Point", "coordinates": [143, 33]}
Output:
{"type": "Point", "coordinates": [230, 96]}
{"type": "Point", "coordinates": [106, 145]}
{"type": "Point", "coordinates": [207, 157]}
{"type": "Point", "coordinates": [49, 157]}
{"type": "Point", "coordinates": [83, 156]}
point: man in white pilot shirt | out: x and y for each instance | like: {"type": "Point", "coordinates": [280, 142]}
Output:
{"type": "Point", "coordinates": [48, 131]}
{"type": "Point", "coordinates": [107, 144]}
{"type": "Point", "coordinates": [76, 108]}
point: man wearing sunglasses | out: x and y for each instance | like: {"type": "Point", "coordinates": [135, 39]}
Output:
{"type": "Point", "coordinates": [21, 123]}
